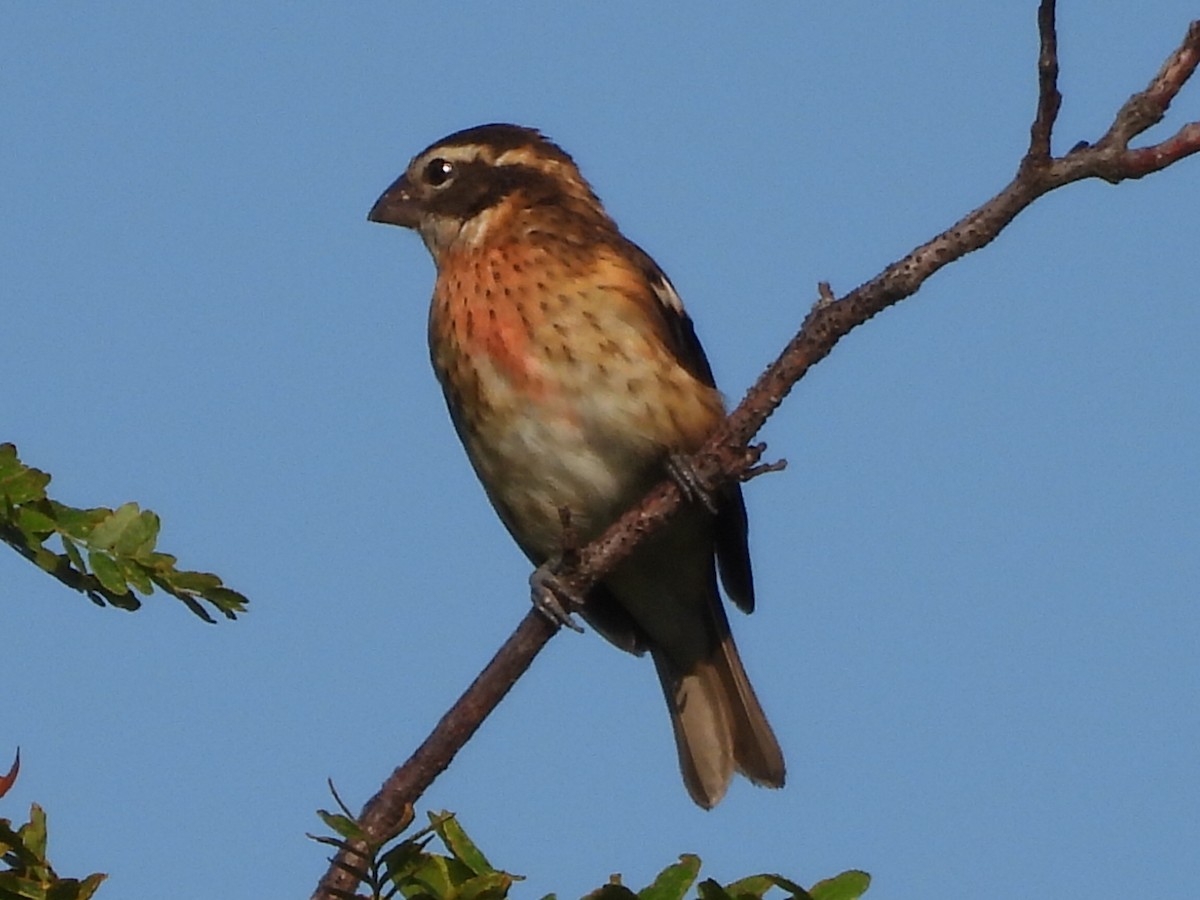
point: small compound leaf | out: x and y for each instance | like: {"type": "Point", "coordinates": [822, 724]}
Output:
{"type": "Point", "coordinates": [78, 523]}
{"type": "Point", "coordinates": [340, 843]}
{"type": "Point", "coordinates": [108, 532]}
{"type": "Point", "coordinates": [119, 546]}
{"type": "Point", "coordinates": [35, 524]}
{"type": "Point", "coordinates": [73, 553]}
{"type": "Point", "coordinates": [227, 600]}
{"type": "Point", "coordinates": [19, 483]}
{"type": "Point", "coordinates": [193, 582]}
{"type": "Point", "coordinates": [432, 873]}
{"type": "Point", "coordinates": [136, 575]}
{"type": "Point", "coordinates": [850, 885]}
{"type": "Point", "coordinates": [33, 832]}
{"type": "Point", "coordinates": [461, 846]}
{"type": "Point", "coordinates": [127, 601]}
{"type": "Point", "coordinates": [158, 562]}
{"type": "Point", "coordinates": [88, 886]}
{"type": "Point", "coordinates": [754, 883]}
{"type": "Point", "coordinates": [46, 559]}
{"type": "Point", "coordinates": [8, 459]}
{"type": "Point", "coordinates": [139, 535]}
{"type": "Point", "coordinates": [108, 573]}
{"type": "Point", "coordinates": [191, 603]}
{"type": "Point", "coordinates": [343, 825]}
{"type": "Point", "coordinates": [401, 861]}
{"type": "Point", "coordinates": [756, 886]}
{"type": "Point", "coordinates": [673, 882]}
{"type": "Point", "coordinates": [708, 889]}
{"type": "Point", "coordinates": [488, 886]}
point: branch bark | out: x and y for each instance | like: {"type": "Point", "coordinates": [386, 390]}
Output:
{"type": "Point", "coordinates": [728, 454]}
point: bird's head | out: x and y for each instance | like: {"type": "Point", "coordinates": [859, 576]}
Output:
{"type": "Point", "coordinates": [459, 190]}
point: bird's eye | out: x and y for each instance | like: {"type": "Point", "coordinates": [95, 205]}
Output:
{"type": "Point", "coordinates": [438, 172]}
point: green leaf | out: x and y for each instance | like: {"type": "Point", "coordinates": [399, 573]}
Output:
{"type": "Point", "coordinates": [108, 532]}
{"type": "Point", "coordinates": [758, 885]}
{"type": "Point", "coordinates": [72, 553]}
{"type": "Point", "coordinates": [401, 861]}
{"type": "Point", "coordinates": [19, 888]}
{"type": "Point", "coordinates": [120, 547]}
{"type": "Point", "coordinates": [343, 825]}
{"type": "Point", "coordinates": [673, 881]}
{"type": "Point", "coordinates": [19, 483]}
{"type": "Point", "coordinates": [127, 601]}
{"type": "Point", "coordinates": [708, 889]}
{"type": "Point", "coordinates": [139, 536]}
{"type": "Point", "coordinates": [47, 560]}
{"type": "Point", "coordinates": [330, 840]}
{"type": "Point", "coordinates": [36, 525]}
{"type": "Point", "coordinates": [70, 889]}
{"type": "Point", "coordinates": [195, 582]}
{"type": "Point", "coordinates": [457, 842]}
{"type": "Point", "coordinates": [13, 844]}
{"type": "Point", "coordinates": [158, 562]}
{"type": "Point", "coordinates": [432, 873]}
{"type": "Point", "coordinates": [136, 575]}
{"type": "Point", "coordinates": [30, 876]}
{"type": "Point", "coordinates": [488, 886]}
{"type": "Point", "coordinates": [753, 886]}
{"type": "Point", "coordinates": [33, 833]}
{"type": "Point", "coordinates": [850, 885]}
{"type": "Point", "coordinates": [226, 600]}
{"type": "Point", "coordinates": [78, 523]}
{"type": "Point", "coordinates": [108, 572]}
{"type": "Point", "coordinates": [193, 605]}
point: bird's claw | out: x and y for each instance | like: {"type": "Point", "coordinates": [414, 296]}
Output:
{"type": "Point", "coordinates": [691, 485]}
{"type": "Point", "coordinates": [549, 594]}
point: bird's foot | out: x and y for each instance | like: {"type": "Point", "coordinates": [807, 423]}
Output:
{"type": "Point", "coordinates": [691, 485]}
{"type": "Point", "coordinates": [549, 595]}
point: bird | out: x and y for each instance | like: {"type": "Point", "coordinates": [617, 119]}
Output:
{"type": "Point", "coordinates": [575, 381]}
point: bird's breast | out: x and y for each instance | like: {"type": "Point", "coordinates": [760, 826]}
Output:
{"type": "Point", "coordinates": [561, 394]}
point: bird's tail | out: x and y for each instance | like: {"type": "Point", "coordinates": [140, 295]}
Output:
{"type": "Point", "coordinates": [719, 725]}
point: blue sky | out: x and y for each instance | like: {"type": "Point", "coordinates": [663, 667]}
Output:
{"type": "Point", "coordinates": [978, 628]}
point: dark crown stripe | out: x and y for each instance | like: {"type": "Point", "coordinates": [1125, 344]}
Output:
{"type": "Point", "coordinates": [501, 138]}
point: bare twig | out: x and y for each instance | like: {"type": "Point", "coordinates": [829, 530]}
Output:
{"type": "Point", "coordinates": [727, 457]}
{"type": "Point", "coordinates": [1049, 99]}
{"type": "Point", "coordinates": [825, 295]}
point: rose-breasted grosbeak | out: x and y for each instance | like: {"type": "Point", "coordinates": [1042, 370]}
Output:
{"type": "Point", "coordinates": [573, 376]}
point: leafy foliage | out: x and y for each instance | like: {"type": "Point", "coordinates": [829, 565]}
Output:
{"type": "Point", "coordinates": [406, 867]}
{"type": "Point", "coordinates": [108, 554]}
{"type": "Point", "coordinates": [28, 875]}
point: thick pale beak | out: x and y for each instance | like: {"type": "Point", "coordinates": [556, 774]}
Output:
{"type": "Point", "coordinates": [396, 206]}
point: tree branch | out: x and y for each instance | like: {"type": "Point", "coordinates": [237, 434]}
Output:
{"type": "Point", "coordinates": [727, 455]}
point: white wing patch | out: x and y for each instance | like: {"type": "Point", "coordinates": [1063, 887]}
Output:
{"type": "Point", "coordinates": [666, 293]}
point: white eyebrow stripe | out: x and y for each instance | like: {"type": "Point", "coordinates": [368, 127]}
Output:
{"type": "Point", "coordinates": [464, 153]}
